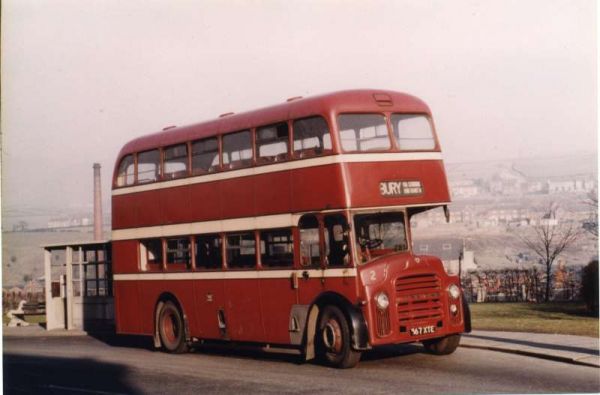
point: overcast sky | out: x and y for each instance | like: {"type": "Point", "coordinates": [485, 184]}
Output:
{"type": "Point", "coordinates": [504, 79]}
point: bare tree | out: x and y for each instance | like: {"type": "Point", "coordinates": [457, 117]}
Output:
{"type": "Point", "coordinates": [591, 225]}
{"type": "Point", "coordinates": [548, 240]}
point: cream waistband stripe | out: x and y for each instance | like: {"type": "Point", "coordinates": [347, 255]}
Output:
{"type": "Point", "coordinates": [276, 167]}
{"type": "Point", "coordinates": [225, 225]}
{"type": "Point", "coordinates": [234, 224]}
{"type": "Point", "coordinates": [231, 275]}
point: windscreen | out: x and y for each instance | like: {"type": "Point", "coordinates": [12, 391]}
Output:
{"type": "Point", "coordinates": [380, 234]}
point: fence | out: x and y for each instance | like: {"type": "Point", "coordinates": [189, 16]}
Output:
{"type": "Point", "coordinates": [521, 285]}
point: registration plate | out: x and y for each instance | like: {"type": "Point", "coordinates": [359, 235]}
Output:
{"type": "Point", "coordinates": [422, 330]}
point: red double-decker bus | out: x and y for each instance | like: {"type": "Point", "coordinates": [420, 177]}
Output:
{"type": "Point", "coordinates": [287, 226]}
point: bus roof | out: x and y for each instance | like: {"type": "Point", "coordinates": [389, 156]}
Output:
{"type": "Point", "coordinates": [360, 100]}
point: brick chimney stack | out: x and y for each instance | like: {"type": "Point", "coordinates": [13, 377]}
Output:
{"type": "Point", "coordinates": [97, 203]}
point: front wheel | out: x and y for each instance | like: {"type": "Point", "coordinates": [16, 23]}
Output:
{"type": "Point", "coordinates": [171, 329]}
{"type": "Point", "coordinates": [333, 339]}
{"type": "Point", "coordinates": [443, 345]}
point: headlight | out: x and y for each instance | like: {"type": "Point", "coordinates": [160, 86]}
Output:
{"type": "Point", "coordinates": [454, 291]}
{"type": "Point", "coordinates": [382, 300]}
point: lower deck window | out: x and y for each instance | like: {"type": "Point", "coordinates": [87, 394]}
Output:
{"type": "Point", "coordinates": [178, 251]}
{"type": "Point", "coordinates": [151, 253]}
{"type": "Point", "coordinates": [241, 251]}
{"type": "Point", "coordinates": [337, 243]}
{"type": "Point", "coordinates": [277, 248]}
{"type": "Point", "coordinates": [208, 252]}
{"type": "Point", "coordinates": [310, 254]}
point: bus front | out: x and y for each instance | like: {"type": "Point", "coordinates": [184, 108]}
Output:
{"type": "Point", "coordinates": [393, 170]}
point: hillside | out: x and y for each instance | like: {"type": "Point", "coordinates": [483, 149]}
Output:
{"type": "Point", "coordinates": [22, 254]}
{"type": "Point", "coordinates": [534, 168]}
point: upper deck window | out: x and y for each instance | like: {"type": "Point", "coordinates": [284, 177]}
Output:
{"type": "Point", "coordinates": [176, 161]}
{"type": "Point", "coordinates": [148, 169]}
{"type": "Point", "coordinates": [272, 142]}
{"type": "Point", "coordinates": [205, 156]}
{"type": "Point", "coordinates": [412, 132]}
{"type": "Point", "coordinates": [126, 172]}
{"type": "Point", "coordinates": [237, 149]}
{"type": "Point", "coordinates": [363, 132]}
{"type": "Point", "coordinates": [311, 137]}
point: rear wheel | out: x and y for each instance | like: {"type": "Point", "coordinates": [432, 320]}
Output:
{"type": "Point", "coordinates": [171, 329]}
{"type": "Point", "coordinates": [443, 345]}
{"type": "Point", "coordinates": [333, 339]}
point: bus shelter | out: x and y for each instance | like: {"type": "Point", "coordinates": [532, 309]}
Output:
{"type": "Point", "coordinates": [78, 286]}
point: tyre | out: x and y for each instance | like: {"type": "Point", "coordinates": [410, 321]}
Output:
{"type": "Point", "coordinates": [171, 329]}
{"type": "Point", "coordinates": [443, 345]}
{"type": "Point", "coordinates": [333, 339]}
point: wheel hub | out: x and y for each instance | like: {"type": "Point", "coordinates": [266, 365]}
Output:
{"type": "Point", "coordinates": [332, 336]}
{"type": "Point", "coordinates": [170, 328]}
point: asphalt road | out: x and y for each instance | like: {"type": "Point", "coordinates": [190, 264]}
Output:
{"type": "Point", "coordinates": [86, 365]}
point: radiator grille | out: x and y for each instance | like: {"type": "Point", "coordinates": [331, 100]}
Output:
{"type": "Point", "coordinates": [418, 298]}
{"type": "Point", "coordinates": [383, 322]}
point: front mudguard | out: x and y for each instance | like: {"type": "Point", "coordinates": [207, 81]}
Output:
{"type": "Point", "coordinates": [358, 328]}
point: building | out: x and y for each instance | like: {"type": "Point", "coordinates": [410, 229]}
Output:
{"type": "Point", "coordinates": [451, 251]}
{"type": "Point", "coordinates": [572, 185]}
{"type": "Point", "coordinates": [463, 189]}
{"type": "Point", "coordinates": [68, 222]}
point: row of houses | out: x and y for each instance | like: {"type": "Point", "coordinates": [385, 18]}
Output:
{"type": "Point", "coordinates": [510, 184]}
{"type": "Point", "coordinates": [32, 291]}
{"type": "Point", "coordinates": [511, 215]}
{"type": "Point", "coordinates": [68, 222]}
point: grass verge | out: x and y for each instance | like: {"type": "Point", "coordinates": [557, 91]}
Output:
{"type": "Point", "coordinates": [560, 318]}
{"type": "Point", "coordinates": [32, 319]}
{"type": "Point", "coordinates": [36, 319]}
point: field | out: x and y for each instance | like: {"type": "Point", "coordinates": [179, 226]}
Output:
{"type": "Point", "coordinates": [561, 318]}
